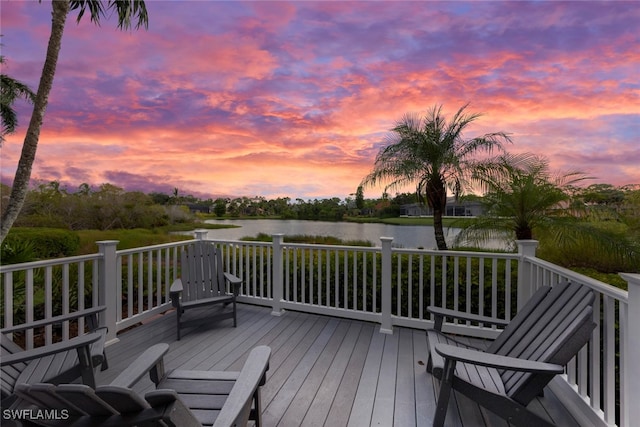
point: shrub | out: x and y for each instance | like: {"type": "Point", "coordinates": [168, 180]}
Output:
{"type": "Point", "coordinates": [38, 243]}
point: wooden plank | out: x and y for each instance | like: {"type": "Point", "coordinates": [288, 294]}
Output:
{"type": "Point", "coordinates": [196, 346]}
{"type": "Point", "coordinates": [235, 360]}
{"type": "Point", "coordinates": [365, 396]}
{"type": "Point", "coordinates": [404, 413]}
{"type": "Point", "coordinates": [326, 392]}
{"type": "Point", "coordinates": [424, 393]}
{"type": "Point", "coordinates": [345, 395]}
{"type": "Point", "coordinates": [281, 401]}
{"type": "Point", "coordinates": [285, 359]}
{"type": "Point", "coordinates": [383, 406]}
{"type": "Point", "coordinates": [303, 399]}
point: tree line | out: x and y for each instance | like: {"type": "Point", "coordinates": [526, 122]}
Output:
{"type": "Point", "coordinates": [108, 207]}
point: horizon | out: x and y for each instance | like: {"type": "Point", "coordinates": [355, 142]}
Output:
{"type": "Point", "coordinates": [294, 99]}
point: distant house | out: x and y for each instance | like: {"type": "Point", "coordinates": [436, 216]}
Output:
{"type": "Point", "coordinates": [199, 207]}
{"type": "Point", "coordinates": [454, 208]}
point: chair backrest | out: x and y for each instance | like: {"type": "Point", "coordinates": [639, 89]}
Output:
{"type": "Point", "coordinates": [551, 328]}
{"type": "Point", "coordinates": [105, 406]}
{"type": "Point", "coordinates": [202, 272]}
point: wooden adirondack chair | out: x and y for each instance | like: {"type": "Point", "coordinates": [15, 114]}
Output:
{"type": "Point", "coordinates": [183, 398]}
{"type": "Point", "coordinates": [61, 362]}
{"type": "Point", "coordinates": [203, 282]}
{"type": "Point", "coordinates": [534, 347]}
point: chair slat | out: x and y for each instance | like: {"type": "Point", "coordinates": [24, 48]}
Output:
{"type": "Point", "coordinates": [123, 400]}
{"type": "Point", "coordinates": [86, 399]}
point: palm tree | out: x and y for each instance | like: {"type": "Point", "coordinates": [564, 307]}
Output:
{"type": "Point", "coordinates": [10, 91]}
{"type": "Point", "coordinates": [126, 10]}
{"type": "Point", "coordinates": [431, 153]}
{"type": "Point", "coordinates": [525, 200]}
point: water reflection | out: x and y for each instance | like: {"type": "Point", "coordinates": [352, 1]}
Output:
{"type": "Point", "coordinates": [406, 236]}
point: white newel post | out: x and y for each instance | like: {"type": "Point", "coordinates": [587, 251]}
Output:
{"type": "Point", "coordinates": [630, 409]}
{"type": "Point", "coordinates": [200, 234]}
{"type": "Point", "coordinates": [385, 286]}
{"type": "Point", "coordinates": [107, 294]}
{"type": "Point", "coordinates": [276, 307]}
{"type": "Point", "coordinates": [525, 285]}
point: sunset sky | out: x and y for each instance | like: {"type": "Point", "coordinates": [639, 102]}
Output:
{"type": "Point", "coordinates": [295, 98]}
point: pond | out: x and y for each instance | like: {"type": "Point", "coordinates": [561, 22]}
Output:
{"type": "Point", "coordinates": [405, 236]}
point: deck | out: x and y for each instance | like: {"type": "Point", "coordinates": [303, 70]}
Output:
{"type": "Point", "coordinates": [324, 371]}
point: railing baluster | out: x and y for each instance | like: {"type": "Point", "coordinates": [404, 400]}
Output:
{"type": "Point", "coordinates": [481, 286]}
{"type": "Point", "coordinates": [336, 279]}
{"type": "Point", "coordinates": [81, 304]}
{"type": "Point", "coordinates": [48, 302]}
{"type": "Point", "coordinates": [410, 288]}
{"type": "Point", "coordinates": [399, 286]}
{"type": "Point", "coordinates": [130, 293]}
{"type": "Point", "coordinates": [28, 299]}
{"type": "Point", "coordinates": [140, 282]}
{"type": "Point", "coordinates": [609, 359]}
{"type": "Point", "coordinates": [8, 299]}
{"type": "Point", "coordinates": [421, 287]}
{"type": "Point", "coordinates": [494, 289]}
{"type": "Point", "coordinates": [469, 287]}
{"type": "Point", "coordinates": [456, 283]}
{"type": "Point", "coordinates": [345, 282]}
{"type": "Point", "coordinates": [507, 290]}
{"type": "Point", "coordinates": [65, 300]}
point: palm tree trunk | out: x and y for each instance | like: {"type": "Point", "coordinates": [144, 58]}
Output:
{"type": "Point", "coordinates": [438, 230]}
{"type": "Point", "coordinates": [60, 10]}
{"type": "Point", "coordinates": [436, 194]}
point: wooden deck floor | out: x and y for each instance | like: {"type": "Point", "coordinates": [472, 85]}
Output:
{"type": "Point", "coordinates": [324, 371]}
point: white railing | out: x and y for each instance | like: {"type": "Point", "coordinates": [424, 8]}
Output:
{"type": "Point", "coordinates": [386, 285]}
{"type": "Point", "coordinates": [597, 378]}
{"type": "Point", "coordinates": [43, 289]}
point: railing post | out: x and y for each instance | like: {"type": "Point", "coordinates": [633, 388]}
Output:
{"type": "Point", "coordinates": [525, 285]}
{"type": "Point", "coordinates": [200, 234]}
{"type": "Point", "coordinates": [107, 294]}
{"type": "Point", "coordinates": [276, 307]}
{"type": "Point", "coordinates": [385, 286]}
{"type": "Point", "coordinates": [630, 369]}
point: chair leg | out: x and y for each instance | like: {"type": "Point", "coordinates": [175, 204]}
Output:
{"type": "Point", "coordinates": [429, 364]}
{"type": "Point", "coordinates": [178, 311]}
{"type": "Point", "coordinates": [105, 363]}
{"type": "Point", "coordinates": [445, 392]}
{"type": "Point", "coordinates": [257, 407]}
{"type": "Point", "coordinates": [235, 320]}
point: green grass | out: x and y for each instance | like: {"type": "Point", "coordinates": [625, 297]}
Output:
{"type": "Point", "coordinates": [128, 239]}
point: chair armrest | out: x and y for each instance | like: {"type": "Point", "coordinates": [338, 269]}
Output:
{"type": "Point", "coordinates": [54, 320]}
{"type": "Point", "coordinates": [234, 280]}
{"type": "Point", "coordinates": [174, 293]}
{"type": "Point", "coordinates": [36, 353]}
{"type": "Point", "coordinates": [251, 377]}
{"type": "Point", "coordinates": [176, 287]}
{"type": "Point", "coordinates": [150, 361]}
{"type": "Point", "coordinates": [440, 313]}
{"type": "Point", "coordinates": [480, 358]}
